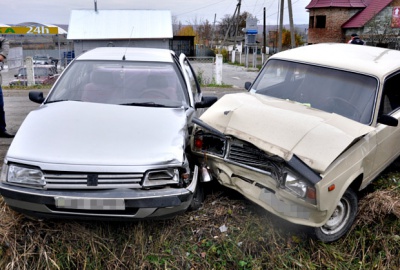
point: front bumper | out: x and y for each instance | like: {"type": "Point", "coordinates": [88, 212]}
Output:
{"type": "Point", "coordinates": [113, 204]}
{"type": "Point", "coordinates": [262, 190]}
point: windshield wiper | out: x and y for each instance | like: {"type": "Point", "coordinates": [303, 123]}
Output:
{"type": "Point", "coordinates": [59, 100]}
{"type": "Point", "coordinates": [145, 104]}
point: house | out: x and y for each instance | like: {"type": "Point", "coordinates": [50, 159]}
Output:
{"type": "Point", "coordinates": [89, 29]}
{"type": "Point", "coordinates": [375, 21]}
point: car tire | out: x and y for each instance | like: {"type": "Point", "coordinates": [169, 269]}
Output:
{"type": "Point", "coordinates": [341, 220]}
{"type": "Point", "coordinates": [198, 198]}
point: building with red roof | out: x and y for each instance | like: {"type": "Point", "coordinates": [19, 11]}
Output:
{"type": "Point", "coordinates": [375, 21]}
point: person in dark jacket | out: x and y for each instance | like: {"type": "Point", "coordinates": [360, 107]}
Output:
{"type": "Point", "coordinates": [4, 48]}
{"type": "Point", "coordinates": [355, 39]}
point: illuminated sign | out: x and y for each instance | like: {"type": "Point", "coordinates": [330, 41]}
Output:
{"type": "Point", "coordinates": [29, 30]}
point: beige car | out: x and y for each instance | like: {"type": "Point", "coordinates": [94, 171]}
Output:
{"type": "Point", "coordinates": [318, 124]}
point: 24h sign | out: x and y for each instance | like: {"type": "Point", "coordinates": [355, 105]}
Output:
{"type": "Point", "coordinates": [29, 30]}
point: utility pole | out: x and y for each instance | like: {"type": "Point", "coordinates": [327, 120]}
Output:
{"type": "Point", "coordinates": [280, 25]}
{"type": "Point", "coordinates": [292, 37]}
{"type": "Point", "coordinates": [237, 11]}
{"type": "Point", "coordinates": [264, 35]}
{"type": "Point", "coordinates": [213, 31]}
{"type": "Point", "coordinates": [237, 23]}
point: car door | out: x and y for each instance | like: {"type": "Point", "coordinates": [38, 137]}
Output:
{"type": "Point", "coordinates": [191, 80]}
{"type": "Point", "coordinates": [388, 137]}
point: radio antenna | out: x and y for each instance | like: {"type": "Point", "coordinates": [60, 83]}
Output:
{"type": "Point", "coordinates": [129, 42]}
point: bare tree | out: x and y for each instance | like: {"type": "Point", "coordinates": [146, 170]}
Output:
{"type": "Point", "coordinates": [204, 30]}
{"type": "Point", "coordinates": [176, 25]}
{"type": "Point", "coordinates": [378, 32]}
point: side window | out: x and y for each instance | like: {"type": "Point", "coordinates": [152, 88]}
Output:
{"type": "Point", "coordinates": [391, 95]}
{"type": "Point", "coordinates": [321, 21]}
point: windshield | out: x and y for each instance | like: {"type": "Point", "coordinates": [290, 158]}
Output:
{"type": "Point", "coordinates": [349, 94]}
{"type": "Point", "coordinates": [122, 83]}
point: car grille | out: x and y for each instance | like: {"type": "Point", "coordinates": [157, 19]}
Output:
{"type": "Point", "coordinates": [92, 181]}
{"type": "Point", "coordinates": [249, 155]}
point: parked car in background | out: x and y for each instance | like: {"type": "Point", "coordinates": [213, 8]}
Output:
{"type": "Point", "coordinates": [110, 139]}
{"type": "Point", "coordinates": [43, 75]}
{"type": "Point", "coordinates": [318, 124]}
{"type": "Point", "coordinates": [41, 60]}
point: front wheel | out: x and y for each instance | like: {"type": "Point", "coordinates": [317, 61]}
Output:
{"type": "Point", "coordinates": [341, 220]}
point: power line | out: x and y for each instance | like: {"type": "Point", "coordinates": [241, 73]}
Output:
{"type": "Point", "coordinates": [200, 8]}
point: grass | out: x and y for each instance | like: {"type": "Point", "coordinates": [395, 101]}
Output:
{"type": "Point", "coordinates": [24, 87]}
{"type": "Point", "coordinates": [229, 232]}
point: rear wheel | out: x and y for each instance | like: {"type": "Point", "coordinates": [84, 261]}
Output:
{"type": "Point", "coordinates": [341, 220]}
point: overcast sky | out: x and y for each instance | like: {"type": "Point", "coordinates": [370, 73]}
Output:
{"type": "Point", "coordinates": [186, 11]}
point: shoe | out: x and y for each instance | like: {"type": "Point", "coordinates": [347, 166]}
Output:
{"type": "Point", "coordinates": [5, 134]}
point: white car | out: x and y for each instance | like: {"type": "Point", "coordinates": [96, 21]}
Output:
{"type": "Point", "coordinates": [109, 141]}
{"type": "Point", "coordinates": [318, 124]}
{"type": "Point", "coordinates": [41, 60]}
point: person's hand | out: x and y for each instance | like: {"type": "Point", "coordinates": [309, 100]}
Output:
{"type": "Point", "coordinates": [1, 58]}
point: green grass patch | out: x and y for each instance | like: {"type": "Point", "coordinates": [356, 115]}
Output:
{"type": "Point", "coordinates": [229, 232]}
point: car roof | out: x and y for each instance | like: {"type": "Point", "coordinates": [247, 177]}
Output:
{"type": "Point", "coordinates": [365, 59]}
{"type": "Point", "coordinates": [131, 54]}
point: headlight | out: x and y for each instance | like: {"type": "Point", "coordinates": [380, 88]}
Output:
{"type": "Point", "coordinates": [295, 185]}
{"type": "Point", "coordinates": [25, 176]}
{"type": "Point", "coordinates": [301, 188]}
{"type": "Point", "coordinates": [169, 176]}
{"type": "Point", "coordinates": [209, 143]}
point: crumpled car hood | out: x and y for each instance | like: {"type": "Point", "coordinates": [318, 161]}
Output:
{"type": "Point", "coordinates": [284, 128]}
{"type": "Point", "coordinates": [80, 133]}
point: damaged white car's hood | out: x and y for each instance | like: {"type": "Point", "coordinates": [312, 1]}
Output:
{"type": "Point", "coordinates": [92, 134]}
{"type": "Point", "coordinates": [285, 128]}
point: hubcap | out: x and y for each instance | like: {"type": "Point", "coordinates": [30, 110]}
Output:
{"type": "Point", "coordinates": [338, 219]}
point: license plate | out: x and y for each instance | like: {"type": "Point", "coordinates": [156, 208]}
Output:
{"type": "Point", "coordinates": [90, 203]}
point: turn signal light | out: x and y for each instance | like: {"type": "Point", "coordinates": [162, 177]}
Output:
{"type": "Point", "coordinates": [311, 193]}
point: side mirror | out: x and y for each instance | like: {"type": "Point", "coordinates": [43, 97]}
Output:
{"type": "Point", "coordinates": [388, 120]}
{"type": "Point", "coordinates": [247, 85]}
{"type": "Point", "coordinates": [206, 102]}
{"type": "Point", "coordinates": [36, 97]}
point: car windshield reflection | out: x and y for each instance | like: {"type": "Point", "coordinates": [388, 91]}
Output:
{"type": "Point", "coordinates": [345, 93]}
{"type": "Point", "coordinates": [122, 83]}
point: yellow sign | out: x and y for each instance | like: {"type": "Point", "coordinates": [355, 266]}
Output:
{"type": "Point", "coordinates": [29, 30]}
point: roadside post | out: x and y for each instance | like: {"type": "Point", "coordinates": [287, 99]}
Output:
{"type": "Point", "coordinates": [218, 69]}
{"type": "Point", "coordinates": [30, 72]}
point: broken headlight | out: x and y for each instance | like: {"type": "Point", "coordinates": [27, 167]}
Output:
{"type": "Point", "coordinates": [209, 143]}
{"type": "Point", "coordinates": [300, 188]}
{"type": "Point", "coordinates": [164, 177]}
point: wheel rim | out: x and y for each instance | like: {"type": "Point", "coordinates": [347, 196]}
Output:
{"type": "Point", "coordinates": [339, 218]}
